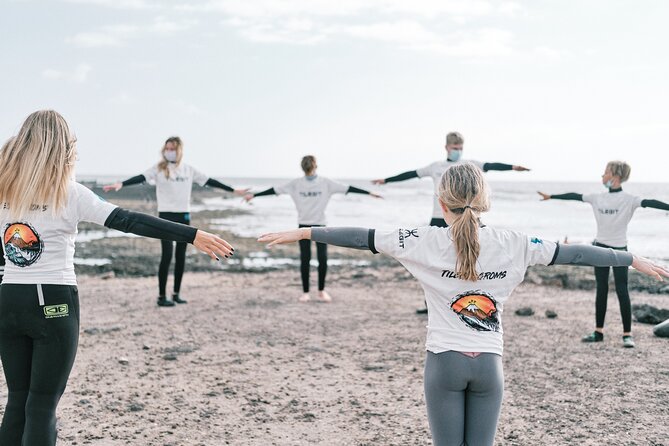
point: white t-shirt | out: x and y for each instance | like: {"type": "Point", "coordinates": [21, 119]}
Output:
{"type": "Point", "coordinates": [311, 197]}
{"type": "Point", "coordinates": [463, 315]}
{"type": "Point", "coordinates": [173, 193]}
{"type": "Point", "coordinates": [39, 248]}
{"type": "Point", "coordinates": [613, 212]}
{"type": "Point", "coordinates": [435, 171]}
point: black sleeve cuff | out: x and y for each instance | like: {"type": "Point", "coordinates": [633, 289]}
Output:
{"type": "Point", "coordinates": [149, 226]}
{"type": "Point", "coordinates": [370, 241]}
{"type": "Point", "coordinates": [215, 183]}
{"type": "Point", "coordinates": [557, 251]}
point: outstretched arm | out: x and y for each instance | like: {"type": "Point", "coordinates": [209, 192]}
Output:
{"type": "Point", "coordinates": [356, 238]}
{"type": "Point", "coordinates": [568, 196]}
{"type": "Point", "coordinates": [217, 184]}
{"type": "Point", "coordinates": [138, 179]}
{"type": "Point", "coordinates": [149, 226]}
{"type": "Point", "coordinates": [401, 177]}
{"type": "Point", "coordinates": [248, 196]}
{"type": "Point", "coordinates": [655, 204]}
{"type": "Point", "coordinates": [355, 190]}
{"type": "Point", "coordinates": [594, 256]}
{"type": "Point", "coordinates": [502, 166]}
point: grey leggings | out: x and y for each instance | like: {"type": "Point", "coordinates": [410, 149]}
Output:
{"type": "Point", "coordinates": [464, 397]}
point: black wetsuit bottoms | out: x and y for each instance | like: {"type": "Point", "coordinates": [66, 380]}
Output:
{"type": "Point", "coordinates": [179, 255]}
{"type": "Point", "coordinates": [620, 277]}
{"type": "Point", "coordinates": [305, 259]}
{"type": "Point", "coordinates": [39, 332]}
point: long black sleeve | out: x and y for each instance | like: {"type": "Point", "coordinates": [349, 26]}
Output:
{"type": "Point", "coordinates": [587, 255]}
{"type": "Point", "coordinates": [356, 238]}
{"type": "Point", "coordinates": [215, 183]}
{"type": "Point", "coordinates": [139, 179]}
{"type": "Point", "coordinates": [403, 176]}
{"type": "Point", "coordinates": [355, 190]}
{"type": "Point", "coordinates": [269, 191]}
{"type": "Point", "coordinates": [497, 166]}
{"type": "Point", "coordinates": [568, 196]}
{"type": "Point", "coordinates": [149, 226]}
{"type": "Point", "coordinates": [655, 204]}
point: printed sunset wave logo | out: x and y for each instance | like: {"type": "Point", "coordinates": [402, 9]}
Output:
{"type": "Point", "coordinates": [23, 246]}
{"type": "Point", "coordinates": [477, 309]}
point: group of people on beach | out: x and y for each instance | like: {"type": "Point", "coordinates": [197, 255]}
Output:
{"type": "Point", "coordinates": [39, 302]}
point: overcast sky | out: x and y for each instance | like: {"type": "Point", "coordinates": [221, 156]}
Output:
{"type": "Point", "coordinates": [370, 87]}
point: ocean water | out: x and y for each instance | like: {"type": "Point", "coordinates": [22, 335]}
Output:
{"type": "Point", "coordinates": [408, 204]}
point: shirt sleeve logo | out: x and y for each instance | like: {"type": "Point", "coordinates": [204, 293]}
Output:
{"type": "Point", "coordinates": [23, 245]}
{"type": "Point", "coordinates": [405, 234]}
{"type": "Point", "coordinates": [477, 309]}
{"type": "Point", "coordinates": [537, 241]}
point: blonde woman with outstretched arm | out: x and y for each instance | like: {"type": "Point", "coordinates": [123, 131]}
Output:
{"type": "Point", "coordinates": [39, 299]}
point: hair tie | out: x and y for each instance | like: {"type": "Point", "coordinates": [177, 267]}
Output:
{"type": "Point", "coordinates": [468, 207]}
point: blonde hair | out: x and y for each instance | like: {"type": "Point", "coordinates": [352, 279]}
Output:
{"type": "Point", "coordinates": [37, 164]}
{"type": "Point", "coordinates": [162, 165]}
{"type": "Point", "coordinates": [308, 164]}
{"type": "Point", "coordinates": [464, 191]}
{"type": "Point", "coordinates": [619, 169]}
{"type": "Point", "coordinates": [455, 138]}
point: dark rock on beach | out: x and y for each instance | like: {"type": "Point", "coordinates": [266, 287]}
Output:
{"type": "Point", "coordinates": [648, 314]}
{"type": "Point", "coordinates": [525, 311]}
{"type": "Point", "coordinates": [662, 330]}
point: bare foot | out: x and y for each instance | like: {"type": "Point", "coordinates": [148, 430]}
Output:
{"type": "Point", "coordinates": [323, 296]}
{"type": "Point", "coordinates": [304, 298]}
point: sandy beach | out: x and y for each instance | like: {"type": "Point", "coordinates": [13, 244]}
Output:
{"type": "Point", "coordinates": [243, 363]}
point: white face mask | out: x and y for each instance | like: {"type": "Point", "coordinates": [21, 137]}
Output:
{"type": "Point", "coordinates": [608, 184]}
{"type": "Point", "coordinates": [455, 155]}
{"type": "Point", "coordinates": [170, 155]}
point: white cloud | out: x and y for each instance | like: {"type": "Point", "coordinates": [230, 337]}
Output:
{"type": "Point", "coordinates": [78, 75]}
{"type": "Point", "coordinates": [117, 4]}
{"type": "Point", "coordinates": [119, 35]}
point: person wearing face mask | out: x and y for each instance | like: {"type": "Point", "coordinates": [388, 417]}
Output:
{"type": "Point", "coordinates": [174, 181]}
{"type": "Point", "coordinates": [613, 211]}
{"type": "Point", "coordinates": [311, 194]}
{"type": "Point", "coordinates": [454, 147]}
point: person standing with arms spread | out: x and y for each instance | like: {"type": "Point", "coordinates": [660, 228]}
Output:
{"type": "Point", "coordinates": [311, 195]}
{"type": "Point", "coordinates": [468, 272]}
{"type": "Point", "coordinates": [613, 211]}
{"type": "Point", "coordinates": [174, 183]}
{"type": "Point", "coordinates": [39, 300]}
{"type": "Point", "coordinates": [454, 148]}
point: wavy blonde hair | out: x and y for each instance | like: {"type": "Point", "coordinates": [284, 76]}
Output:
{"type": "Point", "coordinates": [37, 164]}
{"type": "Point", "coordinates": [464, 191]}
{"type": "Point", "coordinates": [162, 165]}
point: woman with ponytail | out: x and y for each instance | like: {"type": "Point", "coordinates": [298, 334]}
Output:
{"type": "Point", "coordinates": [468, 271]}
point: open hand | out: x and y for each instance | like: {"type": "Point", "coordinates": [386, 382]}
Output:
{"type": "Point", "coordinates": [114, 187]}
{"type": "Point", "coordinates": [544, 196]}
{"type": "Point", "coordinates": [520, 168]}
{"type": "Point", "coordinates": [241, 192]}
{"type": "Point", "coordinates": [280, 238]}
{"type": "Point", "coordinates": [212, 245]}
{"type": "Point", "coordinates": [375, 195]}
{"type": "Point", "coordinates": [248, 197]}
{"type": "Point", "coordinates": [643, 265]}
{"type": "Point", "coordinates": [380, 181]}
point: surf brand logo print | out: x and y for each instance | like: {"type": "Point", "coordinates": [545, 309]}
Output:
{"type": "Point", "coordinates": [477, 309]}
{"type": "Point", "coordinates": [23, 245]}
{"type": "Point", "coordinates": [405, 234]}
{"type": "Point", "coordinates": [537, 241]}
{"type": "Point", "coordinates": [51, 311]}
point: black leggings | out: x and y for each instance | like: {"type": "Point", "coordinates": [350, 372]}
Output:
{"type": "Point", "coordinates": [166, 257]}
{"type": "Point", "coordinates": [620, 278]}
{"type": "Point", "coordinates": [305, 258]}
{"type": "Point", "coordinates": [39, 333]}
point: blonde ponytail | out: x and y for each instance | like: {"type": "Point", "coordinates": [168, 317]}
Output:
{"type": "Point", "coordinates": [464, 191]}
